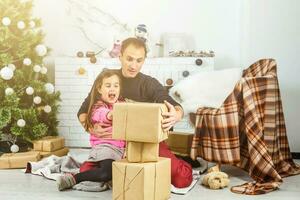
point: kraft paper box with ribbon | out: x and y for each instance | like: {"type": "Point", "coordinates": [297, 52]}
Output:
{"type": "Point", "coordinates": [139, 122]}
{"type": "Point", "coordinates": [59, 152]}
{"type": "Point", "coordinates": [18, 160]}
{"type": "Point", "coordinates": [180, 143]}
{"type": "Point", "coordinates": [142, 152]}
{"type": "Point", "coordinates": [49, 143]}
{"type": "Point", "coordinates": [142, 181]}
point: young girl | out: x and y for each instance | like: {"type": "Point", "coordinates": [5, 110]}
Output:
{"type": "Point", "coordinates": [98, 168]}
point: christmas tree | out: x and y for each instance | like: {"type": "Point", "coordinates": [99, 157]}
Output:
{"type": "Point", "coordinates": [28, 102]}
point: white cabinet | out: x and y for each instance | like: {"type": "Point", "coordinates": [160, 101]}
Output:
{"type": "Point", "coordinates": [74, 86]}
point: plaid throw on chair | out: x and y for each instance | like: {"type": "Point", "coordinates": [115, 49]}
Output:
{"type": "Point", "coordinates": [248, 131]}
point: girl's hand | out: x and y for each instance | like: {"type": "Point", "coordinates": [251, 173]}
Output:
{"type": "Point", "coordinates": [109, 115]}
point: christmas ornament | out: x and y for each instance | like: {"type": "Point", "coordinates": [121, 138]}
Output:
{"type": "Point", "coordinates": [185, 73]}
{"type": "Point", "coordinates": [41, 50]}
{"type": "Point", "coordinates": [21, 25]}
{"type": "Point", "coordinates": [116, 51]}
{"type": "Point", "coordinates": [11, 66]}
{"type": "Point", "coordinates": [21, 122]}
{"type": "Point", "coordinates": [6, 21]}
{"type": "Point", "coordinates": [80, 54]}
{"type": "Point", "coordinates": [29, 90]}
{"type": "Point", "coordinates": [27, 61]}
{"type": "Point", "coordinates": [14, 148]}
{"type": "Point", "coordinates": [32, 24]}
{"type": "Point", "coordinates": [47, 109]}
{"type": "Point", "coordinates": [49, 88]}
{"type": "Point", "coordinates": [9, 91]}
{"type": "Point", "coordinates": [37, 100]}
{"type": "Point", "coordinates": [6, 73]}
{"type": "Point", "coordinates": [81, 71]}
{"type": "Point", "coordinates": [198, 62]}
{"type": "Point", "coordinates": [37, 68]}
{"type": "Point", "coordinates": [90, 54]}
{"type": "Point", "coordinates": [44, 70]}
{"type": "Point", "coordinates": [93, 59]}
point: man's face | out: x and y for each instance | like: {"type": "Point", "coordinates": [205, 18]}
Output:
{"type": "Point", "coordinates": [132, 61]}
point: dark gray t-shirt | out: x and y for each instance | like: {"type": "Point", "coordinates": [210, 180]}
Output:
{"type": "Point", "coordinates": [142, 88]}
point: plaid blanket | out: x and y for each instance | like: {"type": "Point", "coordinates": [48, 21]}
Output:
{"type": "Point", "coordinates": [248, 131]}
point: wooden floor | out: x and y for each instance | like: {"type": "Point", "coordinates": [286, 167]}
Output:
{"type": "Point", "coordinates": [15, 184]}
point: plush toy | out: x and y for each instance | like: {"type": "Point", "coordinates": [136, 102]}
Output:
{"type": "Point", "coordinates": [116, 51]}
{"type": "Point", "coordinates": [216, 180]}
{"type": "Point", "coordinates": [141, 32]}
{"type": "Point", "coordinates": [215, 168]}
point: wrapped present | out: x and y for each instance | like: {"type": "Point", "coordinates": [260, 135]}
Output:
{"type": "Point", "coordinates": [59, 152]}
{"type": "Point", "coordinates": [180, 143]}
{"type": "Point", "coordinates": [49, 143]}
{"type": "Point", "coordinates": [142, 152]}
{"type": "Point", "coordinates": [139, 122]}
{"type": "Point", "coordinates": [142, 181]}
{"type": "Point", "coordinates": [18, 160]}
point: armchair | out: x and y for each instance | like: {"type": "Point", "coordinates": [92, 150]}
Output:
{"type": "Point", "coordinates": [248, 131]}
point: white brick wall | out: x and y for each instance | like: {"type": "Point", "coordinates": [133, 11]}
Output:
{"type": "Point", "coordinates": [75, 87]}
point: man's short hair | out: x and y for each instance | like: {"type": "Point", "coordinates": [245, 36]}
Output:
{"type": "Point", "coordinates": [138, 43]}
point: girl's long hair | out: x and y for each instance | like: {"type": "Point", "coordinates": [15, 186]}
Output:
{"type": "Point", "coordinates": [106, 73]}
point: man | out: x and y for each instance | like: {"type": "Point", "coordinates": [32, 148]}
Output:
{"type": "Point", "coordinates": [143, 88]}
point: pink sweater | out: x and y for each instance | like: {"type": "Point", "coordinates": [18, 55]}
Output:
{"type": "Point", "coordinates": [99, 114]}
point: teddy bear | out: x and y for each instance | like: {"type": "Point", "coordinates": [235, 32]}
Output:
{"type": "Point", "coordinates": [116, 51]}
{"type": "Point", "coordinates": [215, 179]}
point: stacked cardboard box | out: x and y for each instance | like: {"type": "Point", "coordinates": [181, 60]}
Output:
{"type": "Point", "coordinates": [180, 143]}
{"type": "Point", "coordinates": [18, 160]}
{"type": "Point", "coordinates": [50, 145]}
{"type": "Point", "coordinates": [143, 175]}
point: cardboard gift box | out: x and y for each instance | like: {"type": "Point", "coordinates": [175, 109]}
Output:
{"type": "Point", "coordinates": [142, 152]}
{"type": "Point", "coordinates": [18, 160]}
{"type": "Point", "coordinates": [59, 152]}
{"type": "Point", "coordinates": [49, 143]}
{"type": "Point", "coordinates": [180, 143]}
{"type": "Point", "coordinates": [142, 181]}
{"type": "Point", "coordinates": [139, 122]}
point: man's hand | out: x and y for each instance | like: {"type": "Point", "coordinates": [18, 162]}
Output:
{"type": "Point", "coordinates": [100, 130]}
{"type": "Point", "coordinates": [171, 117]}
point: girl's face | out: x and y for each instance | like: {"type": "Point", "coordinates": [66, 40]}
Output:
{"type": "Point", "coordinates": [110, 89]}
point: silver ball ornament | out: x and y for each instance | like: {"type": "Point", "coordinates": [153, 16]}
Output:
{"type": "Point", "coordinates": [27, 61]}
{"type": "Point", "coordinates": [14, 148]}
{"type": "Point", "coordinates": [41, 50]}
{"type": "Point", "coordinates": [47, 109]}
{"type": "Point", "coordinates": [9, 91]}
{"type": "Point", "coordinates": [21, 25]}
{"type": "Point", "coordinates": [21, 122]}
{"type": "Point", "coordinates": [11, 66]}
{"type": "Point", "coordinates": [6, 73]}
{"type": "Point", "coordinates": [49, 88]}
{"type": "Point", "coordinates": [37, 68]}
{"type": "Point", "coordinates": [29, 90]}
{"type": "Point", "coordinates": [37, 100]}
{"type": "Point", "coordinates": [6, 21]}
